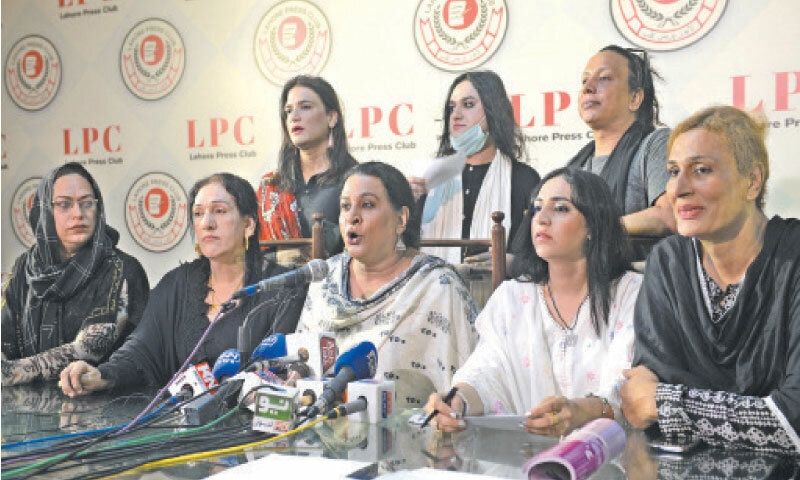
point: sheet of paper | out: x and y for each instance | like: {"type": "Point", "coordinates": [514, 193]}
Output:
{"type": "Point", "coordinates": [300, 466]}
{"type": "Point", "coordinates": [440, 169]}
{"type": "Point", "coordinates": [497, 422]}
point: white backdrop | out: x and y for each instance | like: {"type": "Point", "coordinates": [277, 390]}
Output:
{"type": "Point", "coordinates": [751, 56]}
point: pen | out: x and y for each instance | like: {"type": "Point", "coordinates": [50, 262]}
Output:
{"type": "Point", "coordinates": [447, 398]}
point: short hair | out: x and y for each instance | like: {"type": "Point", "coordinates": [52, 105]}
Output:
{"type": "Point", "coordinates": [743, 134]}
{"type": "Point", "coordinates": [640, 77]}
{"type": "Point", "coordinates": [289, 156]}
{"type": "Point", "coordinates": [607, 251]}
{"type": "Point", "coordinates": [500, 121]}
{"type": "Point", "coordinates": [399, 192]}
{"type": "Point", "coordinates": [246, 202]}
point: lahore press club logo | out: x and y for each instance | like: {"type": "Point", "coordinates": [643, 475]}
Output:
{"type": "Point", "coordinates": [665, 25]}
{"type": "Point", "coordinates": [293, 38]}
{"type": "Point", "coordinates": [33, 73]}
{"type": "Point", "coordinates": [152, 59]}
{"type": "Point", "coordinates": [21, 204]}
{"type": "Point", "coordinates": [458, 35]}
{"type": "Point", "coordinates": [156, 212]}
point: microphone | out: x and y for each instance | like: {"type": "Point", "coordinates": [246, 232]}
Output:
{"type": "Point", "coordinates": [273, 346]}
{"type": "Point", "coordinates": [313, 271]}
{"type": "Point", "coordinates": [297, 370]}
{"type": "Point", "coordinates": [195, 380]}
{"type": "Point", "coordinates": [227, 364]}
{"type": "Point", "coordinates": [348, 408]}
{"type": "Point", "coordinates": [280, 365]}
{"type": "Point", "coordinates": [358, 363]}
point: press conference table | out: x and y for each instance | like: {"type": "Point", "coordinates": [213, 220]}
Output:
{"type": "Point", "coordinates": [37, 411]}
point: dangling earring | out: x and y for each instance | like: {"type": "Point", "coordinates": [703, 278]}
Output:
{"type": "Point", "coordinates": [197, 250]}
{"type": "Point", "coordinates": [330, 137]}
{"type": "Point", "coordinates": [400, 245]}
{"type": "Point", "coordinates": [246, 243]}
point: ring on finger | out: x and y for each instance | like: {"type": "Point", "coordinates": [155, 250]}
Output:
{"type": "Point", "coordinates": [555, 418]}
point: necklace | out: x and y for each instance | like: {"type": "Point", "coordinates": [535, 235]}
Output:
{"type": "Point", "coordinates": [214, 306]}
{"type": "Point", "coordinates": [570, 338]}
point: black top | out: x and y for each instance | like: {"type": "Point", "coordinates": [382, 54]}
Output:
{"type": "Point", "coordinates": [754, 349]}
{"type": "Point", "coordinates": [175, 319]}
{"type": "Point", "coordinates": [523, 180]}
{"type": "Point", "coordinates": [313, 197]}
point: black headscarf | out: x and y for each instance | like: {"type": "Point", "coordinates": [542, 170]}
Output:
{"type": "Point", "coordinates": [50, 278]}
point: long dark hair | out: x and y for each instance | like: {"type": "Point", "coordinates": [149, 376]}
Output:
{"type": "Point", "coordinates": [399, 192]}
{"type": "Point", "coordinates": [246, 202]}
{"type": "Point", "coordinates": [289, 155]}
{"type": "Point", "coordinates": [607, 251]}
{"type": "Point", "coordinates": [640, 77]}
{"type": "Point", "coordinates": [503, 128]}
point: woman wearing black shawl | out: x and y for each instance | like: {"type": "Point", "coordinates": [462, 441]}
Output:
{"type": "Point", "coordinates": [223, 213]}
{"type": "Point", "coordinates": [718, 316]}
{"type": "Point", "coordinates": [73, 295]}
{"type": "Point", "coordinates": [617, 100]}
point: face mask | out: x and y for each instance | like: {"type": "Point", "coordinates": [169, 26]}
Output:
{"type": "Point", "coordinates": [471, 141]}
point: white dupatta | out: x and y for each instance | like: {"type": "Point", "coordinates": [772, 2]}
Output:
{"type": "Point", "coordinates": [444, 208]}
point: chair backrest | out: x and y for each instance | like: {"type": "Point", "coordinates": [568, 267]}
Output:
{"type": "Point", "coordinates": [497, 243]}
{"type": "Point", "coordinates": [317, 245]}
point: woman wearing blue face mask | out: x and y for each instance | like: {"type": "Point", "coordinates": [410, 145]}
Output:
{"type": "Point", "coordinates": [478, 123]}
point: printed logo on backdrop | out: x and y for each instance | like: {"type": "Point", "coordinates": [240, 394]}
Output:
{"type": "Point", "coordinates": [33, 72]}
{"type": "Point", "coordinates": [666, 24]}
{"type": "Point", "coordinates": [458, 35]}
{"type": "Point", "coordinates": [156, 212]}
{"type": "Point", "coordinates": [293, 38]}
{"type": "Point", "coordinates": [21, 204]}
{"type": "Point", "coordinates": [152, 59]}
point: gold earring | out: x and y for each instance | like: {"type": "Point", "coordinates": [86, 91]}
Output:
{"type": "Point", "coordinates": [197, 250]}
{"type": "Point", "coordinates": [246, 243]}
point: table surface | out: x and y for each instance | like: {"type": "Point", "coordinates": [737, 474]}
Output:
{"type": "Point", "coordinates": [40, 410]}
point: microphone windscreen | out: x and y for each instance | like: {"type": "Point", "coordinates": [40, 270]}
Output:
{"type": "Point", "coordinates": [318, 269]}
{"type": "Point", "coordinates": [227, 364]}
{"type": "Point", "coordinates": [273, 346]}
{"type": "Point", "coordinates": [363, 359]}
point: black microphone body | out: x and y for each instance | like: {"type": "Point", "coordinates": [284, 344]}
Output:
{"type": "Point", "coordinates": [345, 409]}
{"type": "Point", "coordinates": [333, 389]}
{"type": "Point", "coordinates": [313, 271]}
{"type": "Point", "coordinates": [281, 363]}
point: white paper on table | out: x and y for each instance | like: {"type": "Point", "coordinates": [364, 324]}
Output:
{"type": "Point", "coordinates": [434, 474]}
{"type": "Point", "coordinates": [300, 466]}
{"type": "Point", "coordinates": [497, 422]}
{"type": "Point", "coordinates": [440, 169]}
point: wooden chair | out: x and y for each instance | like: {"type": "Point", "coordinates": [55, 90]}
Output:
{"type": "Point", "coordinates": [497, 244]}
{"type": "Point", "coordinates": [317, 245]}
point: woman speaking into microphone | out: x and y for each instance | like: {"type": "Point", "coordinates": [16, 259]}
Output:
{"type": "Point", "coordinates": [223, 213]}
{"type": "Point", "coordinates": [412, 306]}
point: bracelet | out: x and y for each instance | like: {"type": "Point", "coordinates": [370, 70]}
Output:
{"type": "Point", "coordinates": [464, 402]}
{"type": "Point", "coordinates": [606, 405]}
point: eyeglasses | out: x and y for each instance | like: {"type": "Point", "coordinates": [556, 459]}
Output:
{"type": "Point", "coordinates": [65, 206]}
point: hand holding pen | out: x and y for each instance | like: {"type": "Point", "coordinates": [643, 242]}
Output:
{"type": "Point", "coordinates": [445, 413]}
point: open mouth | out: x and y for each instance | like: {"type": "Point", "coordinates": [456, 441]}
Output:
{"type": "Point", "coordinates": [352, 237]}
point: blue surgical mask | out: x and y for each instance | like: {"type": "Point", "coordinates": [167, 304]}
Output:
{"type": "Point", "coordinates": [471, 141]}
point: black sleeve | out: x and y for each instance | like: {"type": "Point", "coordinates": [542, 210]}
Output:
{"type": "Point", "coordinates": [10, 334]}
{"type": "Point", "coordinates": [523, 180]}
{"type": "Point", "coordinates": [142, 358]}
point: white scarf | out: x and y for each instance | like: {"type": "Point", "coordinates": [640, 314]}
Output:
{"type": "Point", "coordinates": [422, 323]}
{"type": "Point", "coordinates": [444, 208]}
